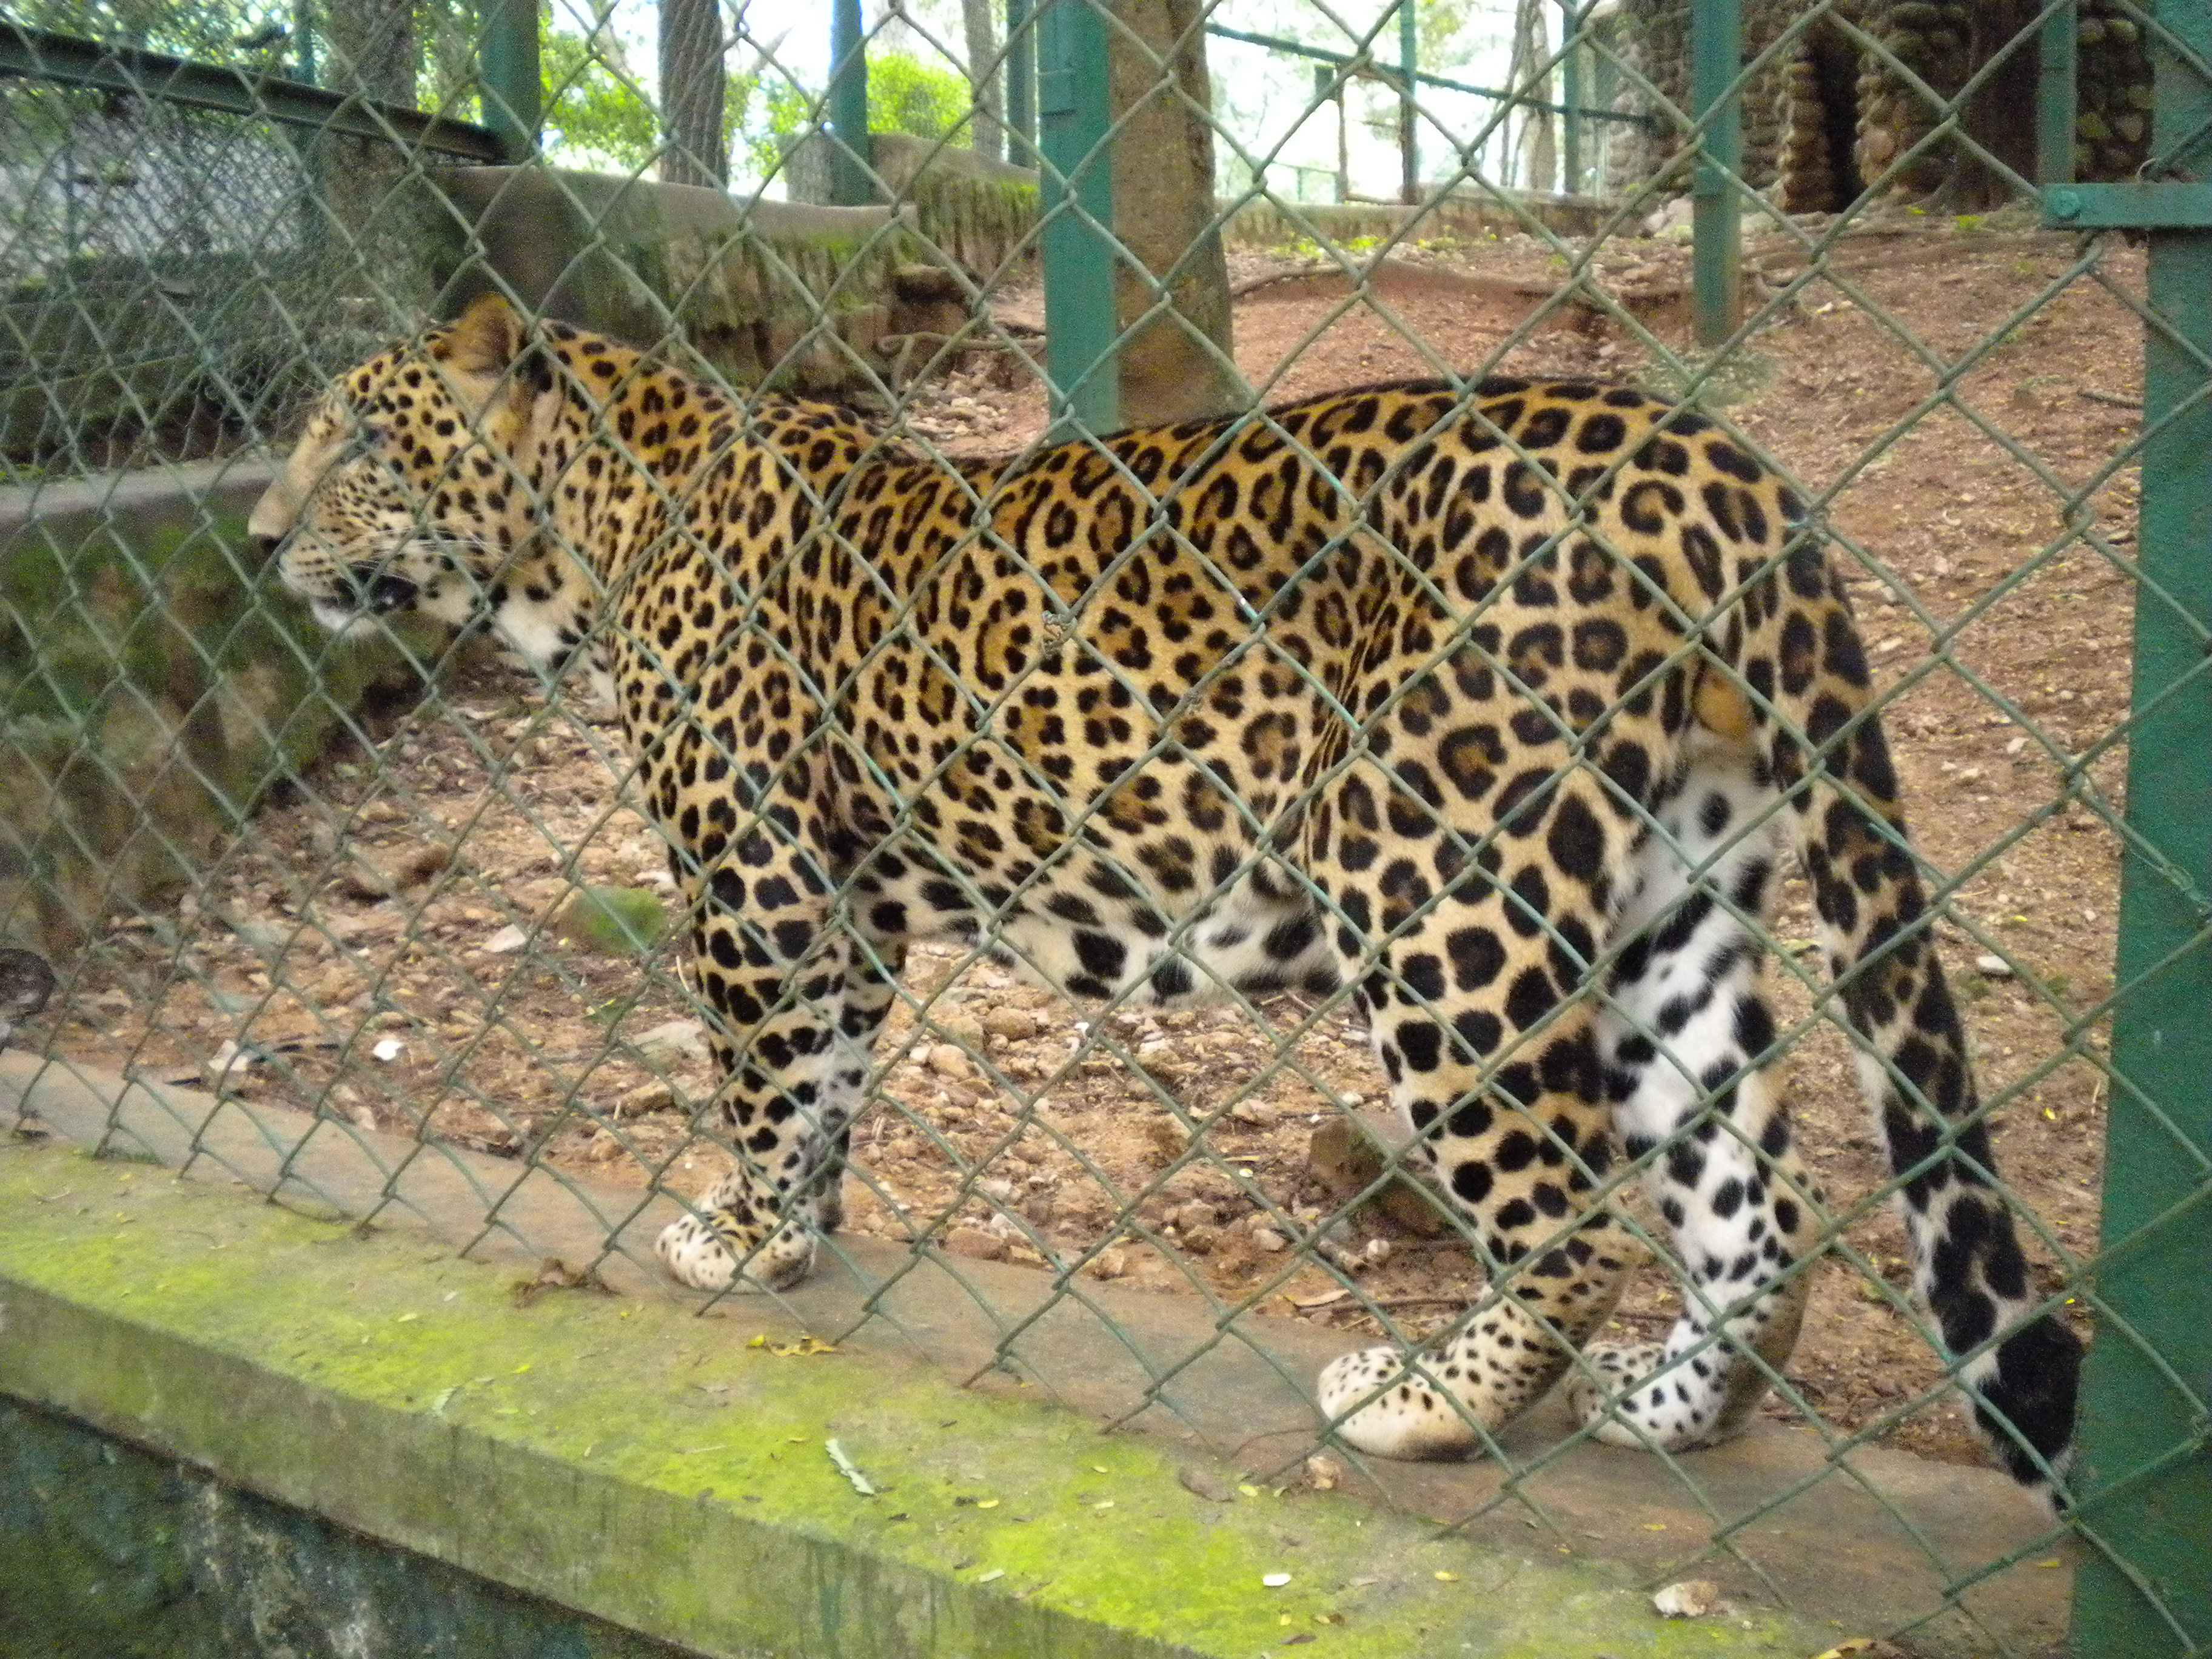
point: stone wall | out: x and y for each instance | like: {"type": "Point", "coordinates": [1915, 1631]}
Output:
{"type": "Point", "coordinates": [151, 686]}
{"type": "Point", "coordinates": [765, 293]}
{"type": "Point", "coordinates": [1829, 114]}
{"type": "Point", "coordinates": [974, 212]}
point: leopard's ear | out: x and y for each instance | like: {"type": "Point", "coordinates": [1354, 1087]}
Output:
{"type": "Point", "coordinates": [486, 338]}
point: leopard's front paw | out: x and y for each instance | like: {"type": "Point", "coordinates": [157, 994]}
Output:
{"type": "Point", "coordinates": [1409, 1417]}
{"type": "Point", "coordinates": [705, 1257]}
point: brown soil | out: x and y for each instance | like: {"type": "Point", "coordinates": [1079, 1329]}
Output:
{"type": "Point", "coordinates": [379, 984]}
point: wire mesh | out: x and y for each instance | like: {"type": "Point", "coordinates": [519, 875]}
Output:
{"type": "Point", "coordinates": [455, 932]}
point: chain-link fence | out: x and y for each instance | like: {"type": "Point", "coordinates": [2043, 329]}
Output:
{"type": "Point", "coordinates": [444, 917]}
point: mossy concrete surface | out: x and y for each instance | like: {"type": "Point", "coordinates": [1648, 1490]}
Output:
{"type": "Point", "coordinates": [670, 1475]}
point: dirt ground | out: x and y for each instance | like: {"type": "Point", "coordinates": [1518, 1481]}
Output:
{"type": "Point", "coordinates": [399, 941]}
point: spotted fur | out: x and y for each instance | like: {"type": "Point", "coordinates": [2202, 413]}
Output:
{"type": "Point", "coordinates": [1502, 705]}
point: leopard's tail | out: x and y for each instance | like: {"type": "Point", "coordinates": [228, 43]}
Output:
{"type": "Point", "coordinates": [1834, 767]}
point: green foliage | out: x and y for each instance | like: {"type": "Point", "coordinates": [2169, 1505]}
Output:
{"type": "Point", "coordinates": [908, 95]}
{"type": "Point", "coordinates": [591, 105]}
{"type": "Point", "coordinates": [905, 95]}
{"type": "Point", "coordinates": [786, 111]}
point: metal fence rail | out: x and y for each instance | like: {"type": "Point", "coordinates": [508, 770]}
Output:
{"type": "Point", "coordinates": [454, 926]}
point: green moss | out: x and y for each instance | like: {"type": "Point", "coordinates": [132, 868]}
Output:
{"type": "Point", "coordinates": [669, 1473]}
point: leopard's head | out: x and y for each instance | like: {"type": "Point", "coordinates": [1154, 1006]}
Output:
{"type": "Point", "coordinates": [414, 489]}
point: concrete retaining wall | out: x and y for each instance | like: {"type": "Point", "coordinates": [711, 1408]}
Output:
{"type": "Point", "coordinates": [151, 687]}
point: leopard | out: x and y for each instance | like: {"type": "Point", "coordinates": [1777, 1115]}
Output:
{"type": "Point", "coordinates": [1489, 708]}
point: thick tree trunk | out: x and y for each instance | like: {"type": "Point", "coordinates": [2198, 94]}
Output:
{"type": "Point", "coordinates": [693, 86]}
{"type": "Point", "coordinates": [987, 128]}
{"type": "Point", "coordinates": [1177, 368]}
{"type": "Point", "coordinates": [1538, 148]}
{"type": "Point", "coordinates": [370, 50]}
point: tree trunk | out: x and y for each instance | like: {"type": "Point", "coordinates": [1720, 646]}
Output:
{"type": "Point", "coordinates": [1177, 368]}
{"type": "Point", "coordinates": [987, 129]}
{"type": "Point", "coordinates": [1537, 151]}
{"type": "Point", "coordinates": [693, 85]}
{"type": "Point", "coordinates": [370, 51]}
{"type": "Point", "coordinates": [2000, 115]}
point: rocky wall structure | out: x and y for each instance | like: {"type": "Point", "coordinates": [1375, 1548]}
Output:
{"type": "Point", "coordinates": [1836, 110]}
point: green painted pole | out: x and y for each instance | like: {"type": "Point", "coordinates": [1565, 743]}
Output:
{"type": "Point", "coordinates": [303, 41]}
{"type": "Point", "coordinates": [513, 91]}
{"type": "Point", "coordinates": [2143, 1477]}
{"type": "Point", "coordinates": [1409, 137]}
{"type": "Point", "coordinates": [1571, 94]}
{"type": "Point", "coordinates": [848, 129]}
{"type": "Point", "coordinates": [1074, 111]}
{"type": "Point", "coordinates": [1716, 61]}
{"type": "Point", "coordinates": [1021, 85]}
{"type": "Point", "coordinates": [2055, 96]}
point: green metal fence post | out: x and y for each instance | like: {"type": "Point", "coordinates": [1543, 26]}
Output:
{"type": "Point", "coordinates": [1716, 61]}
{"type": "Point", "coordinates": [1571, 94]}
{"type": "Point", "coordinates": [303, 41]}
{"type": "Point", "coordinates": [1021, 85]}
{"type": "Point", "coordinates": [512, 91]}
{"type": "Point", "coordinates": [849, 154]}
{"type": "Point", "coordinates": [2055, 96]}
{"type": "Point", "coordinates": [2144, 1478]}
{"type": "Point", "coordinates": [1074, 111]}
{"type": "Point", "coordinates": [1409, 146]}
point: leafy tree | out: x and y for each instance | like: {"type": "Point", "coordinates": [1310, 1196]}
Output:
{"type": "Point", "coordinates": [592, 105]}
{"type": "Point", "coordinates": [905, 95]}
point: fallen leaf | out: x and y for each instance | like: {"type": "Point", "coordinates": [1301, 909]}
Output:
{"type": "Point", "coordinates": [846, 1468]}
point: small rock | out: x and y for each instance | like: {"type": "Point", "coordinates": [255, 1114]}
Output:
{"type": "Point", "coordinates": [388, 1049]}
{"type": "Point", "coordinates": [1323, 1471]}
{"type": "Point", "coordinates": [369, 878]}
{"type": "Point", "coordinates": [977, 1244]}
{"type": "Point", "coordinates": [963, 1030]}
{"type": "Point", "coordinates": [506, 942]}
{"type": "Point", "coordinates": [948, 1060]}
{"type": "Point", "coordinates": [1014, 1025]}
{"type": "Point", "coordinates": [1692, 1598]}
{"type": "Point", "coordinates": [645, 1098]}
{"type": "Point", "coordinates": [678, 1039]}
{"type": "Point", "coordinates": [1109, 1263]}
{"type": "Point", "coordinates": [1993, 967]}
{"type": "Point", "coordinates": [1268, 1239]}
{"type": "Point", "coordinates": [1201, 1240]}
{"type": "Point", "coordinates": [1196, 1213]}
{"type": "Point", "coordinates": [1346, 1157]}
{"type": "Point", "coordinates": [1204, 1483]}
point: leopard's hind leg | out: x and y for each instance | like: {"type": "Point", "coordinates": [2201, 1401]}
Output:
{"type": "Point", "coordinates": [1683, 1036]}
{"type": "Point", "coordinates": [1476, 999]}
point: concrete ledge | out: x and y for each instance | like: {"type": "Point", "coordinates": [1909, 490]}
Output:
{"type": "Point", "coordinates": [375, 1378]}
{"type": "Point", "coordinates": [653, 1470]}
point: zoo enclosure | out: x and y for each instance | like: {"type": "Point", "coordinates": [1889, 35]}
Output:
{"type": "Point", "coordinates": [160, 202]}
